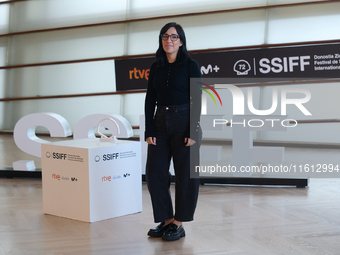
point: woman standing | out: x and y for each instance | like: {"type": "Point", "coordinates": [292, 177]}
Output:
{"type": "Point", "coordinates": [172, 132]}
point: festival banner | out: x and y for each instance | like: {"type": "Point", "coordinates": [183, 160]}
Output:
{"type": "Point", "coordinates": [289, 63]}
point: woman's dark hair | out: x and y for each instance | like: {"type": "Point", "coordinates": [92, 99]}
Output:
{"type": "Point", "coordinates": [182, 54]}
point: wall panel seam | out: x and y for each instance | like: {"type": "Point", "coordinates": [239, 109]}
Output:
{"type": "Point", "coordinates": [263, 46]}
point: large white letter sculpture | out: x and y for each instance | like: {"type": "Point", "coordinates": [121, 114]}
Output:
{"type": "Point", "coordinates": [26, 139]}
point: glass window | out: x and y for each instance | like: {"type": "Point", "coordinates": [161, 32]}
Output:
{"type": "Point", "coordinates": [304, 23]}
{"type": "Point", "coordinates": [39, 14]}
{"type": "Point", "coordinates": [202, 32]}
{"type": "Point", "coordinates": [150, 8]}
{"type": "Point", "coordinates": [77, 78]}
{"type": "Point", "coordinates": [4, 16]}
{"type": "Point", "coordinates": [70, 44]}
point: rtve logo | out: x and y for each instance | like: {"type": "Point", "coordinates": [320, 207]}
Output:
{"type": "Point", "coordinates": [56, 177]}
{"type": "Point", "coordinates": [139, 74]}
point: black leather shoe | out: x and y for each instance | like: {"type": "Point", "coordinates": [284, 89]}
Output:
{"type": "Point", "coordinates": [159, 230]}
{"type": "Point", "coordinates": [173, 233]}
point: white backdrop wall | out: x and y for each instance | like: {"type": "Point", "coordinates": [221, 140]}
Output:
{"type": "Point", "coordinates": [232, 29]}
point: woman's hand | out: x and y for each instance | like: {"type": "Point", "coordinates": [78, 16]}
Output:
{"type": "Point", "coordinates": [151, 140]}
{"type": "Point", "coordinates": [189, 142]}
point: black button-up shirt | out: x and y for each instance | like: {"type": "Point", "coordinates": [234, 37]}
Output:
{"type": "Point", "coordinates": [170, 85]}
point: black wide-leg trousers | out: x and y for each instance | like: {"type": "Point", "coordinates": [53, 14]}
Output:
{"type": "Point", "coordinates": [172, 123]}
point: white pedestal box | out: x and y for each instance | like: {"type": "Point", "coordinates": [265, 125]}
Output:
{"type": "Point", "coordinates": [91, 180]}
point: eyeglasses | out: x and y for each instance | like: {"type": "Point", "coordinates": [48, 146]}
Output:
{"type": "Point", "coordinates": [173, 37]}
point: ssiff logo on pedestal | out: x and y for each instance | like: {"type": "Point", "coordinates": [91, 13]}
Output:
{"type": "Point", "coordinates": [56, 155]}
{"type": "Point", "coordinates": [64, 156]}
{"type": "Point", "coordinates": [116, 156]}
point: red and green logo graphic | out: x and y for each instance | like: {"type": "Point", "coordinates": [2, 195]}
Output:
{"type": "Point", "coordinates": [205, 89]}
